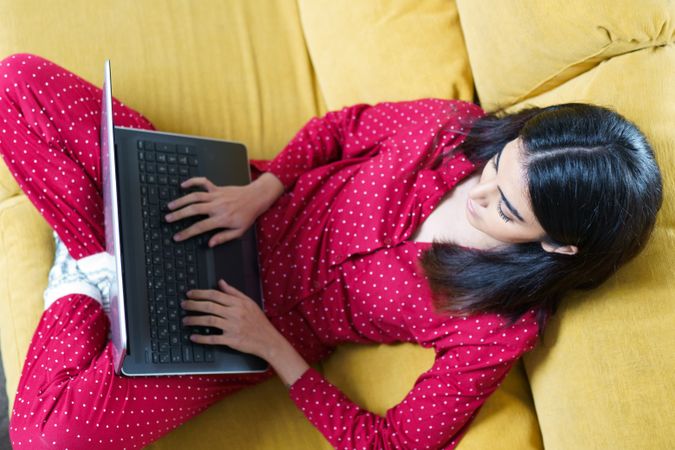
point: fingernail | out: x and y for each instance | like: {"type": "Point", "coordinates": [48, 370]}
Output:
{"type": "Point", "coordinates": [167, 217]}
{"type": "Point", "coordinates": [176, 237]}
{"type": "Point", "coordinates": [183, 303]}
{"type": "Point", "coordinates": [169, 205]}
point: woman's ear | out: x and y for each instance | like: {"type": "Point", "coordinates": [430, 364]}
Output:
{"type": "Point", "coordinates": [562, 249]}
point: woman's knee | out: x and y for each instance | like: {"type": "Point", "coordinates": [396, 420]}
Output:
{"type": "Point", "coordinates": [61, 416]}
{"type": "Point", "coordinates": [21, 65]}
{"type": "Point", "coordinates": [50, 436]}
{"type": "Point", "coordinates": [20, 69]}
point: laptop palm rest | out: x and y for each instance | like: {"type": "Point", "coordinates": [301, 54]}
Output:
{"type": "Point", "coordinates": [223, 262]}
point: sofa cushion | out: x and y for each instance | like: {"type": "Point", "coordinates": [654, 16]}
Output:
{"type": "Point", "coordinates": [520, 49]}
{"type": "Point", "coordinates": [384, 51]}
{"type": "Point", "coordinates": [603, 376]}
{"type": "Point", "coordinates": [237, 70]}
{"type": "Point", "coordinates": [378, 377]}
{"type": "Point", "coordinates": [26, 254]}
{"type": "Point", "coordinates": [358, 370]}
{"type": "Point", "coordinates": [8, 185]}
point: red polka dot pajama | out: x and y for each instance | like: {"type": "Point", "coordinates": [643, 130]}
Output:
{"type": "Point", "coordinates": [337, 265]}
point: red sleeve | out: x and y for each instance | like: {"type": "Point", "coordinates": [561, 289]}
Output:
{"type": "Point", "coordinates": [351, 132]}
{"type": "Point", "coordinates": [434, 414]}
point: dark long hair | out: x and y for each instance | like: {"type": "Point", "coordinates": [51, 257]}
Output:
{"type": "Point", "coordinates": [593, 183]}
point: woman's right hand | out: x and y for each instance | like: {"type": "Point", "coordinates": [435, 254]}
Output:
{"type": "Point", "coordinates": [234, 208]}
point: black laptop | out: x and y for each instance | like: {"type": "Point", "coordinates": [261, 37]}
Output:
{"type": "Point", "coordinates": [142, 171]}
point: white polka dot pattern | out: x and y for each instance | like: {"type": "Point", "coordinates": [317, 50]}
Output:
{"type": "Point", "coordinates": [336, 247]}
{"type": "Point", "coordinates": [335, 261]}
{"type": "Point", "coordinates": [68, 395]}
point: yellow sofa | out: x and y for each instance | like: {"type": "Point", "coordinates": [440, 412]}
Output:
{"type": "Point", "coordinates": [256, 70]}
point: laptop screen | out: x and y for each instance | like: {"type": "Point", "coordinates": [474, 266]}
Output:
{"type": "Point", "coordinates": [111, 214]}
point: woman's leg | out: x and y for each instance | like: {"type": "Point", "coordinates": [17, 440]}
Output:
{"type": "Point", "coordinates": [49, 135]}
{"type": "Point", "coordinates": [68, 394]}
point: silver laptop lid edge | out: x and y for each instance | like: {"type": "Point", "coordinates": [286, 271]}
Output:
{"type": "Point", "coordinates": [112, 231]}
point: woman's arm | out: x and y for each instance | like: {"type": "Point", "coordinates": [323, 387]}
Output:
{"type": "Point", "coordinates": [352, 132]}
{"type": "Point", "coordinates": [271, 188]}
{"type": "Point", "coordinates": [245, 328]}
{"type": "Point", "coordinates": [320, 141]}
{"type": "Point", "coordinates": [286, 361]}
{"type": "Point", "coordinates": [434, 414]}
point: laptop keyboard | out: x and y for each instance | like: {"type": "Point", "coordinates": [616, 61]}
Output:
{"type": "Point", "coordinates": [171, 267]}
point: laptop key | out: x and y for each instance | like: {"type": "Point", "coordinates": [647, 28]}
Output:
{"type": "Point", "coordinates": [209, 355]}
{"type": "Point", "coordinates": [197, 353]}
{"type": "Point", "coordinates": [186, 150]}
{"type": "Point", "coordinates": [174, 329]}
{"type": "Point", "coordinates": [163, 334]}
{"type": "Point", "coordinates": [187, 353]}
{"type": "Point", "coordinates": [166, 147]}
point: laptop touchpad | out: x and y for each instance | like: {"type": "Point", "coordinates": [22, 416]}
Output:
{"type": "Point", "coordinates": [225, 261]}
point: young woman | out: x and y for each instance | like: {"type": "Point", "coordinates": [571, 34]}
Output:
{"type": "Point", "coordinates": [421, 221]}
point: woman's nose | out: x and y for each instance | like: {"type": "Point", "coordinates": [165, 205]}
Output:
{"type": "Point", "coordinates": [482, 192]}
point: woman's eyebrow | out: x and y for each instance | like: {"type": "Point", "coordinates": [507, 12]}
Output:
{"type": "Point", "coordinates": [513, 210]}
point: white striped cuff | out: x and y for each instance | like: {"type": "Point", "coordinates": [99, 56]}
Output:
{"type": "Point", "coordinates": [53, 293]}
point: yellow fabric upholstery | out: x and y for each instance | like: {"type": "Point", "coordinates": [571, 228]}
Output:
{"type": "Point", "coordinates": [241, 71]}
{"type": "Point", "coordinates": [378, 377]}
{"type": "Point", "coordinates": [236, 70]}
{"type": "Point", "coordinates": [386, 50]}
{"type": "Point", "coordinates": [623, 362]}
{"type": "Point", "coordinates": [519, 49]}
{"type": "Point", "coordinates": [26, 254]}
{"type": "Point", "coordinates": [603, 376]}
{"type": "Point", "coordinates": [8, 186]}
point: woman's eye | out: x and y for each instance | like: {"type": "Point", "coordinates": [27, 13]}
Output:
{"type": "Point", "coordinates": [501, 213]}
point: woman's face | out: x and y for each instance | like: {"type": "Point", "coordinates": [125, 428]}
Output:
{"type": "Point", "coordinates": [499, 205]}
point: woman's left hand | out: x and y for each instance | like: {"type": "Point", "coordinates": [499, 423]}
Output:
{"type": "Point", "coordinates": [245, 326]}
